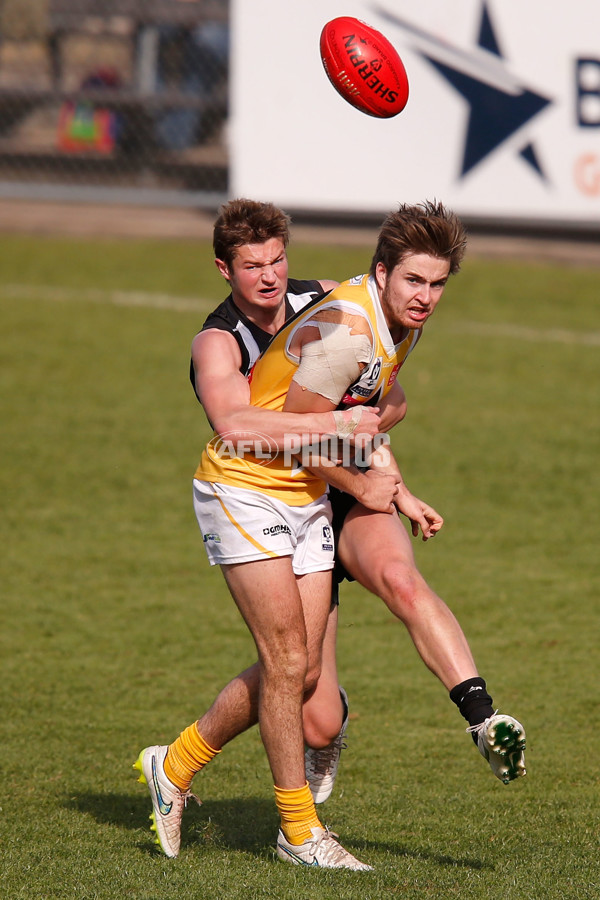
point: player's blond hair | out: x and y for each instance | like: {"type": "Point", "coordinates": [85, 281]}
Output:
{"type": "Point", "coordinates": [245, 221]}
{"type": "Point", "coordinates": [423, 228]}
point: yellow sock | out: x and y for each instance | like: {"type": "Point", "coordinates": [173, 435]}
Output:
{"type": "Point", "coordinates": [186, 756]}
{"type": "Point", "coordinates": [298, 813]}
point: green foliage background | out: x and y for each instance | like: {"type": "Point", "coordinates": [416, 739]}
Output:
{"type": "Point", "coordinates": [116, 634]}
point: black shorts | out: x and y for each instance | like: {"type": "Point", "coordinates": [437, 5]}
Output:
{"type": "Point", "coordinates": [341, 504]}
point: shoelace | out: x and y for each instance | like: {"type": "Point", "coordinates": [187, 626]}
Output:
{"type": "Point", "coordinates": [189, 796]}
{"type": "Point", "coordinates": [332, 851]}
{"type": "Point", "coordinates": [477, 729]}
{"type": "Point", "coordinates": [322, 761]}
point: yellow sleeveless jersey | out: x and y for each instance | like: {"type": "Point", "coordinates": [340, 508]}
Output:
{"type": "Point", "coordinates": [354, 303]}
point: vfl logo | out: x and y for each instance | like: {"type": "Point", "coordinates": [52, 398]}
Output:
{"type": "Point", "coordinates": [364, 386]}
{"type": "Point", "coordinates": [327, 534]}
{"type": "Point", "coordinates": [370, 378]}
{"type": "Point", "coordinates": [499, 102]}
{"type": "Point", "coordinates": [165, 808]}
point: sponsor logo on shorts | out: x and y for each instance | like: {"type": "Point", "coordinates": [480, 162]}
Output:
{"type": "Point", "coordinates": [277, 529]}
{"type": "Point", "coordinates": [211, 536]}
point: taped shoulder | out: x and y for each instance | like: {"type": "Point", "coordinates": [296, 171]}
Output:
{"type": "Point", "coordinates": [333, 346]}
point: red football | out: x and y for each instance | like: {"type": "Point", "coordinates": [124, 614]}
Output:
{"type": "Point", "coordinates": [363, 67]}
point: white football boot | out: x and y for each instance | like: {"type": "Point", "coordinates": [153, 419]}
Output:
{"type": "Point", "coordinates": [168, 801]}
{"type": "Point", "coordinates": [501, 740]}
{"type": "Point", "coordinates": [321, 850]}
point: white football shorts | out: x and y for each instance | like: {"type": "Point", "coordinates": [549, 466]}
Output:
{"type": "Point", "coordinates": [239, 526]}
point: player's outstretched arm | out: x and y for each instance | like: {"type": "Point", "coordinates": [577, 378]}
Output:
{"type": "Point", "coordinates": [225, 395]}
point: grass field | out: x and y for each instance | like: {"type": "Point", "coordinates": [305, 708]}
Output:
{"type": "Point", "coordinates": [115, 634]}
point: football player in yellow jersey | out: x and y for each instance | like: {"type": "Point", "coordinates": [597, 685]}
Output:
{"type": "Point", "coordinates": [339, 344]}
{"type": "Point", "coordinates": [407, 281]}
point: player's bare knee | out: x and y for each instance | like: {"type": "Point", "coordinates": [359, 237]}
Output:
{"type": "Point", "coordinates": [319, 733]}
{"type": "Point", "coordinates": [401, 589]}
{"type": "Point", "coordinates": [287, 663]}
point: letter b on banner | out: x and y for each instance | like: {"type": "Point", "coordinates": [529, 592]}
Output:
{"type": "Point", "coordinates": [587, 86]}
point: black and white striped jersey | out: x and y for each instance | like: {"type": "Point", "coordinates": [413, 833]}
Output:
{"type": "Point", "coordinates": [251, 339]}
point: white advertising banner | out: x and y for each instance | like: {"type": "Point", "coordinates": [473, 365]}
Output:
{"type": "Point", "coordinates": [502, 121]}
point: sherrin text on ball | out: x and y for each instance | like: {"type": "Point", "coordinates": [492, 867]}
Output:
{"type": "Point", "coordinates": [364, 67]}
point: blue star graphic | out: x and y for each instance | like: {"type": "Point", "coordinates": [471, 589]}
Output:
{"type": "Point", "coordinates": [495, 111]}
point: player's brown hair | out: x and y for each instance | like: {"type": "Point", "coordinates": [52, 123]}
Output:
{"type": "Point", "coordinates": [245, 221]}
{"type": "Point", "coordinates": [423, 228]}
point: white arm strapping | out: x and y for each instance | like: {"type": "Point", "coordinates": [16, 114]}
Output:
{"type": "Point", "coordinates": [329, 366]}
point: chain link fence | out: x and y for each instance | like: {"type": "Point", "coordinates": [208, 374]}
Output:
{"type": "Point", "coordinates": [126, 95]}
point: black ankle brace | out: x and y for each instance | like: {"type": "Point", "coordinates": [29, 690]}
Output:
{"type": "Point", "coordinates": [473, 701]}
